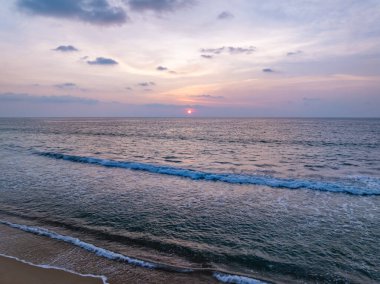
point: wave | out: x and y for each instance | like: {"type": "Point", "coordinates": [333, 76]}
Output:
{"type": "Point", "coordinates": [46, 266]}
{"type": "Point", "coordinates": [221, 177]}
{"type": "Point", "coordinates": [102, 252]}
{"type": "Point", "coordinates": [235, 279]}
{"type": "Point", "coordinates": [77, 242]}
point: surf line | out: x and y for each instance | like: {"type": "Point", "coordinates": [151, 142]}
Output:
{"type": "Point", "coordinates": [219, 275]}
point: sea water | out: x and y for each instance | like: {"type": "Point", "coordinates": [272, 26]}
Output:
{"type": "Point", "coordinates": [283, 199]}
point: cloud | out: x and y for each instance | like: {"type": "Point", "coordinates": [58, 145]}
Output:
{"type": "Point", "coordinates": [238, 50]}
{"type": "Point", "coordinates": [161, 68]}
{"type": "Point", "coordinates": [14, 97]}
{"type": "Point", "coordinates": [102, 61]}
{"type": "Point", "coordinates": [294, 53]}
{"type": "Point", "coordinates": [157, 105]}
{"type": "Point", "coordinates": [205, 96]}
{"type": "Point", "coordinates": [66, 48]}
{"type": "Point", "coordinates": [158, 6]}
{"type": "Point", "coordinates": [213, 50]}
{"type": "Point", "coordinates": [225, 15]}
{"type": "Point", "coordinates": [208, 52]}
{"type": "Point", "coordinates": [207, 56]}
{"type": "Point", "coordinates": [146, 84]}
{"type": "Point", "coordinates": [65, 86]}
{"type": "Point", "coordinates": [268, 70]}
{"type": "Point", "coordinates": [97, 12]}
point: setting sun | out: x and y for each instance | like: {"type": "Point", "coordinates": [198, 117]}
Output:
{"type": "Point", "coordinates": [189, 111]}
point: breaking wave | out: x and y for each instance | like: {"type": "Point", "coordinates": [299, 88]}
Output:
{"type": "Point", "coordinates": [221, 177]}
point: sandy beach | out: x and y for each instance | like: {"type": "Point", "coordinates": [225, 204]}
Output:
{"type": "Point", "coordinates": [41, 251]}
{"type": "Point", "coordinates": [14, 271]}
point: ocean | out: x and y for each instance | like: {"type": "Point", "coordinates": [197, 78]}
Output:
{"type": "Point", "coordinates": [194, 199]}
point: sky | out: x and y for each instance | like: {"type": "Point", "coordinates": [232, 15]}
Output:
{"type": "Point", "coordinates": [217, 58]}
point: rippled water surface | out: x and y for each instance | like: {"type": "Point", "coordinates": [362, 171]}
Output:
{"type": "Point", "coordinates": [277, 199]}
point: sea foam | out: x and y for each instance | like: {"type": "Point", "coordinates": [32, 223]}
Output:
{"type": "Point", "coordinates": [77, 242]}
{"type": "Point", "coordinates": [221, 177]}
{"type": "Point", "coordinates": [223, 277]}
{"type": "Point", "coordinates": [236, 279]}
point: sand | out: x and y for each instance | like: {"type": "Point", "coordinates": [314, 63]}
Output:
{"type": "Point", "coordinates": [41, 250]}
{"type": "Point", "coordinates": [13, 271]}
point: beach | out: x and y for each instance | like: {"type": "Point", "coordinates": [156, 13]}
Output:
{"type": "Point", "coordinates": [14, 271]}
{"type": "Point", "coordinates": [25, 256]}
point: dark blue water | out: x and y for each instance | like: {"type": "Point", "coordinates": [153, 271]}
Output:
{"type": "Point", "coordinates": [286, 199]}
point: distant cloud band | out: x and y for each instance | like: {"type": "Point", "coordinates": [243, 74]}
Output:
{"type": "Point", "coordinates": [13, 97]}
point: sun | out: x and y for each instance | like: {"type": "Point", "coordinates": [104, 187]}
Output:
{"type": "Point", "coordinates": [189, 111]}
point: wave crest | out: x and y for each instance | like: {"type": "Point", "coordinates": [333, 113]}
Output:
{"type": "Point", "coordinates": [221, 177]}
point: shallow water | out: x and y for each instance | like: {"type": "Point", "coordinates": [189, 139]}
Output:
{"type": "Point", "coordinates": [273, 199]}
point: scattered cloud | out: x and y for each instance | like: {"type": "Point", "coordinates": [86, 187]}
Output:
{"type": "Point", "coordinates": [97, 12]}
{"type": "Point", "coordinates": [207, 56]}
{"type": "Point", "coordinates": [268, 70]}
{"type": "Point", "coordinates": [206, 96]}
{"type": "Point", "coordinates": [161, 68]}
{"type": "Point", "coordinates": [238, 50]}
{"type": "Point", "coordinates": [232, 50]}
{"type": "Point", "coordinates": [225, 15]}
{"type": "Point", "coordinates": [14, 97]}
{"type": "Point", "coordinates": [129, 88]}
{"type": "Point", "coordinates": [166, 69]}
{"type": "Point", "coordinates": [158, 6]}
{"type": "Point", "coordinates": [292, 53]}
{"type": "Point", "coordinates": [102, 61]}
{"type": "Point", "coordinates": [146, 84]}
{"type": "Point", "coordinates": [213, 50]}
{"type": "Point", "coordinates": [66, 48]}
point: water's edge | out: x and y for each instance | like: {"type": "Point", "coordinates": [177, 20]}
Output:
{"type": "Point", "coordinates": [222, 276]}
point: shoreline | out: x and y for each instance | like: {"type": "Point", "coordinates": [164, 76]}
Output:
{"type": "Point", "coordinates": [16, 271]}
{"type": "Point", "coordinates": [218, 275]}
{"type": "Point", "coordinates": [52, 253]}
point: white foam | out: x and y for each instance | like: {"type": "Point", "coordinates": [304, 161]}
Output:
{"type": "Point", "coordinates": [46, 266]}
{"type": "Point", "coordinates": [223, 277]}
{"type": "Point", "coordinates": [77, 242]}
{"type": "Point", "coordinates": [236, 279]}
{"type": "Point", "coordinates": [223, 177]}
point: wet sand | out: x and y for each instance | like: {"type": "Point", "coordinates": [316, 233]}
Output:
{"type": "Point", "coordinates": [13, 271]}
{"type": "Point", "coordinates": [44, 251]}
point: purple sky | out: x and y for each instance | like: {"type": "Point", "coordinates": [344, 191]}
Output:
{"type": "Point", "coordinates": [216, 57]}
